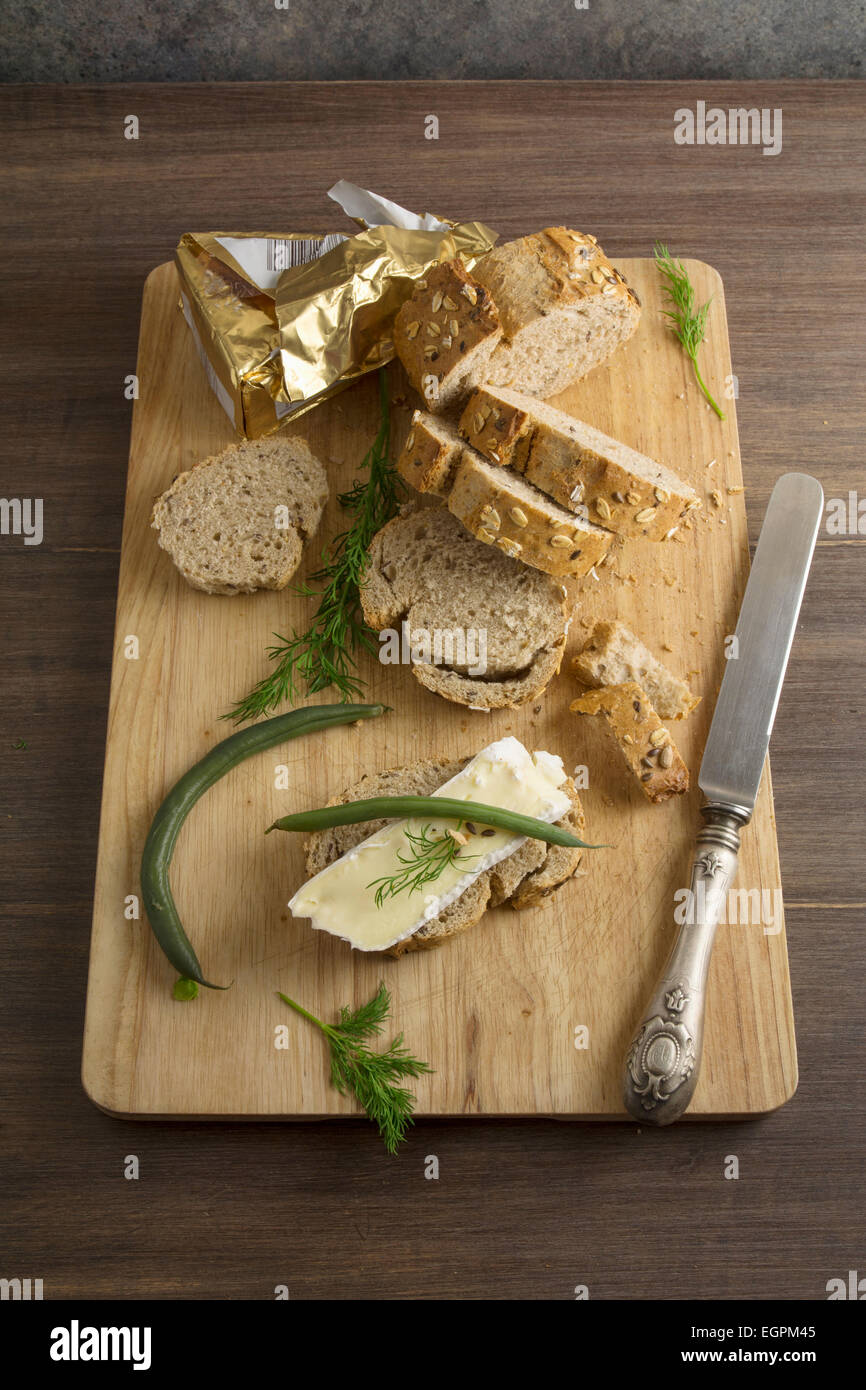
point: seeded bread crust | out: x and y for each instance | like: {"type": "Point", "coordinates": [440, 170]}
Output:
{"type": "Point", "coordinates": [503, 510]}
{"type": "Point", "coordinates": [645, 744]}
{"type": "Point", "coordinates": [563, 306]}
{"type": "Point", "coordinates": [576, 464]}
{"type": "Point", "coordinates": [219, 521]}
{"type": "Point", "coordinates": [613, 655]}
{"type": "Point", "coordinates": [426, 569]}
{"type": "Point", "coordinates": [446, 333]}
{"type": "Point", "coordinates": [431, 454]}
{"type": "Point", "coordinates": [533, 872]}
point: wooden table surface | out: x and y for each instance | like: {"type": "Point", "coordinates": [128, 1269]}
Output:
{"type": "Point", "coordinates": [520, 1210]}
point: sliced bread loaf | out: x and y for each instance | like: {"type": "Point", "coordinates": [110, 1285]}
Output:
{"type": "Point", "coordinates": [576, 464]}
{"type": "Point", "coordinates": [614, 655]}
{"type": "Point", "coordinates": [237, 522]}
{"type": "Point", "coordinates": [503, 510]}
{"type": "Point", "coordinates": [563, 307]}
{"type": "Point", "coordinates": [427, 570]}
{"type": "Point", "coordinates": [523, 879]}
{"type": "Point", "coordinates": [445, 334]}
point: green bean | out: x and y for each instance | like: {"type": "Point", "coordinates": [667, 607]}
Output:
{"type": "Point", "coordinates": [439, 807]}
{"type": "Point", "coordinates": [162, 836]}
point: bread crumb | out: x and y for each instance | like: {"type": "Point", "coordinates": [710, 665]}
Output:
{"type": "Point", "coordinates": [732, 491]}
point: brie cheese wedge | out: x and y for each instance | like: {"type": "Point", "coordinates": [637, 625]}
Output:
{"type": "Point", "coordinates": [341, 900]}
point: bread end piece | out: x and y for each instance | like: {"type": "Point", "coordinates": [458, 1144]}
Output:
{"type": "Point", "coordinates": [445, 334]}
{"type": "Point", "coordinates": [613, 654]}
{"type": "Point", "coordinates": [646, 745]}
{"type": "Point", "coordinates": [431, 454]}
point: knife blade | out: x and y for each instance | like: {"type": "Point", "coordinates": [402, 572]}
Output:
{"type": "Point", "coordinates": [663, 1061]}
{"type": "Point", "coordinates": [739, 735]}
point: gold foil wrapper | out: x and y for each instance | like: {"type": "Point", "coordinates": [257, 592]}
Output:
{"type": "Point", "coordinates": [229, 306]}
{"type": "Point", "coordinates": [283, 322]}
{"type": "Point", "coordinates": [336, 314]}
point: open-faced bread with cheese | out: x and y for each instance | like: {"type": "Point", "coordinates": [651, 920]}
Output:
{"type": "Point", "coordinates": [525, 878]}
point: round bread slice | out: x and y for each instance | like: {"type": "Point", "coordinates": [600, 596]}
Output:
{"type": "Point", "coordinates": [237, 522]}
{"type": "Point", "coordinates": [427, 570]}
{"type": "Point", "coordinates": [522, 880]}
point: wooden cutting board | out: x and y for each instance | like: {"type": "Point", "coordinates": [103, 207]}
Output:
{"type": "Point", "coordinates": [498, 1011]}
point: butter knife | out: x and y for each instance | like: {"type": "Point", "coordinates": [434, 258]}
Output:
{"type": "Point", "coordinates": [664, 1058]}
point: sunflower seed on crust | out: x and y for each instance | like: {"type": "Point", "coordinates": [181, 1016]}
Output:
{"type": "Point", "coordinates": [512, 548]}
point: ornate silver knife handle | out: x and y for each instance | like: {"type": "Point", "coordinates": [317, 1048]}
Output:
{"type": "Point", "coordinates": [664, 1059]}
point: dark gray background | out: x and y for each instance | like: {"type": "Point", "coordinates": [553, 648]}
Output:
{"type": "Point", "coordinates": [249, 40]}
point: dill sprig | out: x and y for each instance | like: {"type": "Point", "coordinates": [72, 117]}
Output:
{"type": "Point", "coordinates": [371, 1077]}
{"type": "Point", "coordinates": [428, 858]}
{"type": "Point", "coordinates": [325, 654]}
{"type": "Point", "coordinates": [687, 322]}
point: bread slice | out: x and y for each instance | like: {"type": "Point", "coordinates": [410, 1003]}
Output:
{"type": "Point", "coordinates": [522, 880]}
{"type": "Point", "coordinates": [563, 307]}
{"type": "Point", "coordinates": [237, 522]}
{"type": "Point", "coordinates": [427, 570]}
{"type": "Point", "coordinates": [576, 464]}
{"type": "Point", "coordinates": [445, 334]}
{"type": "Point", "coordinates": [613, 655]}
{"type": "Point", "coordinates": [431, 453]}
{"type": "Point", "coordinates": [503, 510]}
{"type": "Point", "coordinates": [644, 742]}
